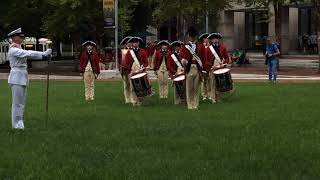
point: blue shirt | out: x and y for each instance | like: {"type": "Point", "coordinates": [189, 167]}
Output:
{"type": "Point", "coordinates": [271, 49]}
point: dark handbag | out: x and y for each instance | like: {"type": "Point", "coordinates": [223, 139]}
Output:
{"type": "Point", "coordinates": [266, 61]}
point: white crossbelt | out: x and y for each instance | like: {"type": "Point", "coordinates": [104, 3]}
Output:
{"type": "Point", "coordinates": [195, 56]}
{"type": "Point", "coordinates": [135, 59]}
{"type": "Point", "coordinates": [215, 54]}
{"type": "Point", "coordinates": [175, 59]}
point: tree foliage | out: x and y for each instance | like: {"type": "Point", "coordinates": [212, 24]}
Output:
{"type": "Point", "coordinates": [191, 11]}
{"type": "Point", "coordinates": [316, 12]}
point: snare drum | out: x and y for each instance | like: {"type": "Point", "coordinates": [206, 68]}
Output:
{"type": "Point", "coordinates": [179, 83]}
{"type": "Point", "coordinates": [223, 80]}
{"type": "Point", "coordinates": [141, 85]}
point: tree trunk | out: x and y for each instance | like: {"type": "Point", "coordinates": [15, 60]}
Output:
{"type": "Point", "coordinates": [277, 14]}
{"type": "Point", "coordinates": [179, 26]}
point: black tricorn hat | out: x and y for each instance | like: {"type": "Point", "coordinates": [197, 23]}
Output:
{"type": "Point", "coordinates": [87, 43]}
{"type": "Point", "coordinates": [176, 44]}
{"type": "Point", "coordinates": [135, 39]}
{"type": "Point", "coordinates": [125, 40]}
{"type": "Point", "coordinates": [215, 35]}
{"type": "Point", "coordinates": [203, 36]}
{"type": "Point", "coordinates": [163, 42]}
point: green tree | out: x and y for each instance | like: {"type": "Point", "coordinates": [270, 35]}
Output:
{"type": "Point", "coordinates": [75, 20]}
{"type": "Point", "coordinates": [186, 12]}
{"type": "Point", "coordinates": [125, 16]}
{"type": "Point", "coordinates": [26, 14]}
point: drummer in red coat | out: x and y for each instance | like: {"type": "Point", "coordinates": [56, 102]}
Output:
{"type": "Point", "coordinates": [102, 59]}
{"type": "Point", "coordinates": [217, 57]}
{"type": "Point", "coordinates": [193, 69]}
{"type": "Point", "coordinates": [89, 68]}
{"type": "Point", "coordinates": [204, 44]}
{"type": "Point", "coordinates": [160, 66]}
{"type": "Point", "coordinates": [176, 70]}
{"type": "Point", "coordinates": [136, 61]}
{"type": "Point", "coordinates": [219, 47]}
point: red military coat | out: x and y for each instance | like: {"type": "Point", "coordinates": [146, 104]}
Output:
{"type": "Point", "coordinates": [223, 54]}
{"type": "Point", "coordinates": [142, 57]}
{"type": "Point", "coordinates": [94, 62]}
{"type": "Point", "coordinates": [172, 66]}
{"type": "Point", "coordinates": [203, 54]}
{"type": "Point", "coordinates": [102, 57]}
{"type": "Point", "coordinates": [151, 49]}
{"type": "Point", "coordinates": [185, 54]}
{"type": "Point", "coordinates": [158, 59]}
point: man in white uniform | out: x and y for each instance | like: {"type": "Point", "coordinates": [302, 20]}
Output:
{"type": "Point", "coordinates": [18, 77]}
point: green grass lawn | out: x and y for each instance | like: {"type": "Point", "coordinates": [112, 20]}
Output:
{"type": "Point", "coordinates": [266, 132]}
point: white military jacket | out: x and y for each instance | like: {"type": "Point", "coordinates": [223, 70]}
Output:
{"type": "Point", "coordinates": [18, 63]}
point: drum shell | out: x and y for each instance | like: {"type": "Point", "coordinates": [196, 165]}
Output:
{"type": "Point", "coordinates": [223, 81]}
{"type": "Point", "coordinates": [180, 87]}
{"type": "Point", "coordinates": [141, 86]}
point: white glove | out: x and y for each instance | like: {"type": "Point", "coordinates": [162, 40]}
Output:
{"type": "Point", "coordinates": [184, 62]}
{"type": "Point", "coordinates": [47, 53]}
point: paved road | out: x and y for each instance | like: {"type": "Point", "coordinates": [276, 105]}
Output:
{"type": "Point", "coordinates": [111, 75]}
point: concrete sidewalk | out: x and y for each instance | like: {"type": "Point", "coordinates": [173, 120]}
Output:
{"type": "Point", "coordinates": [298, 61]}
{"type": "Point", "coordinates": [113, 75]}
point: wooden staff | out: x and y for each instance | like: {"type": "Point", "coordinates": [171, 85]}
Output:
{"type": "Point", "coordinates": [45, 41]}
{"type": "Point", "coordinates": [48, 83]}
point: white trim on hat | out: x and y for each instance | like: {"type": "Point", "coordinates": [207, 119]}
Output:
{"type": "Point", "coordinates": [89, 42]}
{"type": "Point", "coordinates": [160, 43]}
{"type": "Point", "coordinates": [15, 32]}
{"type": "Point", "coordinates": [135, 38]}
{"type": "Point", "coordinates": [125, 40]}
{"type": "Point", "coordinates": [176, 42]}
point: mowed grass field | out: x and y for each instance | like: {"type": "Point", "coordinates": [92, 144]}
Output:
{"type": "Point", "coordinates": [265, 132]}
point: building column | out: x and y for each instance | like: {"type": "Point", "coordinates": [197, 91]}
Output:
{"type": "Point", "coordinates": [294, 29]}
{"type": "Point", "coordinates": [289, 29]}
{"type": "Point", "coordinates": [239, 30]}
{"type": "Point", "coordinates": [226, 28]}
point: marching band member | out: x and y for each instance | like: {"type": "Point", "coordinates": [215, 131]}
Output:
{"type": "Point", "coordinates": [18, 77]}
{"type": "Point", "coordinates": [203, 48]}
{"type": "Point", "coordinates": [136, 61]}
{"type": "Point", "coordinates": [160, 66]}
{"type": "Point", "coordinates": [151, 51]}
{"type": "Point", "coordinates": [193, 67]}
{"type": "Point", "coordinates": [126, 46]}
{"type": "Point", "coordinates": [217, 57]}
{"type": "Point", "coordinates": [102, 59]}
{"type": "Point", "coordinates": [175, 68]}
{"type": "Point", "coordinates": [89, 68]}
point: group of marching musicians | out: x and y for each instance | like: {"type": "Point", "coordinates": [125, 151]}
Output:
{"type": "Point", "coordinates": [188, 65]}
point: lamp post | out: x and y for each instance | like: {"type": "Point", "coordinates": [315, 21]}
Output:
{"type": "Point", "coordinates": [116, 31]}
{"type": "Point", "coordinates": [207, 17]}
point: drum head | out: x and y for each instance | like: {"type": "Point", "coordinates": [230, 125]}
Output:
{"type": "Point", "coordinates": [180, 78]}
{"type": "Point", "coordinates": [221, 71]}
{"type": "Point", "coordinates": [137, 76]}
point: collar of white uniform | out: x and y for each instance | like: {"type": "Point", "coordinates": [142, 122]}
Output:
{"type": "Point", "coordinates": [15, 45]}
